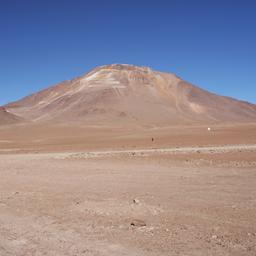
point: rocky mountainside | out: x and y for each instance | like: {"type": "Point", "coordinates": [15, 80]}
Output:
{"type": "Point", "coordinates": [8, 118]}
{"type": "Point", "coordinates": [129, 94]}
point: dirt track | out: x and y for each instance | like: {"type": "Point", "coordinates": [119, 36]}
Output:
{"type": "Point", "coordinates": [153, 151]}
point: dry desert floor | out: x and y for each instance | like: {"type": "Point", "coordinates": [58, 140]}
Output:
{"type": "Point", "coordinates": [186, 200]}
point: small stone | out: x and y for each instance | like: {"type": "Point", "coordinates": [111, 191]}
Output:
{"type": "Point", "coordinates": [138, 223]}
{"type": "Point", "coordinates": [136, 201]}
{"type": "Point", "coordinates": [214, 237]}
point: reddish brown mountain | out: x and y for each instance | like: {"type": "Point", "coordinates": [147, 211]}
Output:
{"type": "Point", "coordinates": [130, 94]}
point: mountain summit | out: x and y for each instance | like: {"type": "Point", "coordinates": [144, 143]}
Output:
{"type": "Point", "coordinates": [121, 93]}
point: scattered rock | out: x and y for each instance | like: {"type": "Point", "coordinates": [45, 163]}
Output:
{"type": "Point", "coordinates": [138, 223]}
{"type": "Point", "coordinates": [214, 237]}
{"type": "Point", "coordinates": [136, 201]}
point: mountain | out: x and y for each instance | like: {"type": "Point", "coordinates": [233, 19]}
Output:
{"type": "Point", "coordinates": [8, 118]}
{"type": "Point", "coordinates": [128, 94]}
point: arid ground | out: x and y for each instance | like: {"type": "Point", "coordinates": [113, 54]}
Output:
{"type": "Point", "coordinates": [190, 191]}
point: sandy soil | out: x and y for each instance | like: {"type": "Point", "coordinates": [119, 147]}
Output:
{"type": "Point", "coordinates": [66, 138]}
{"type": "Point", "coordinates": [200, 201]}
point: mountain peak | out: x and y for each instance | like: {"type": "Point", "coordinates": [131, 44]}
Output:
{"type": "Point", "coordinates": [124, 67]}
{"type": "Point", "coordinates": [120, 66]}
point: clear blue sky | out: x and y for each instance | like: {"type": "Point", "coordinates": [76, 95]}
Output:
{"type": "Point", "coordinates": [209, 43]}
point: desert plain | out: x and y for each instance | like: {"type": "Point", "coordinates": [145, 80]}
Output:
{"type": "Point", "coordinates": [98, 191]}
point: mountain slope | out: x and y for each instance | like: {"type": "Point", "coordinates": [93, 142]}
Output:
{"type": "Point", "coordinates": [8, 118]}
{"type": "Point", "coordinates": [130, 94]}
